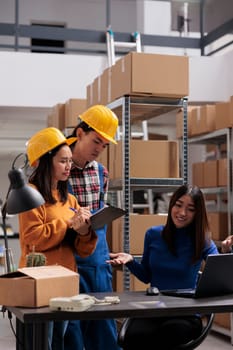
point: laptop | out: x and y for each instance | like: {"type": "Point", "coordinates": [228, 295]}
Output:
{"type": "Point", "coordinates": [216, 279]}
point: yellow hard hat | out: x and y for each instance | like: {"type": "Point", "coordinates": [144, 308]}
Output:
{"type": "Point", "coordinates": [102, 120]}
{"type": "Point", "coordinates": [44, 141]}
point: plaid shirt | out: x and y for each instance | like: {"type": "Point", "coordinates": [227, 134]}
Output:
{"type": "Point", "coordinates": [86, 184]}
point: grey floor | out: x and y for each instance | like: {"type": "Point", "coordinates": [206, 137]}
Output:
{"type": "Point", "coordinates": [214, 341]}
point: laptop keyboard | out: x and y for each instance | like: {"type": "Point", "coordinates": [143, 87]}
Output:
{"type": "Point", "coordinates": [186, 292]}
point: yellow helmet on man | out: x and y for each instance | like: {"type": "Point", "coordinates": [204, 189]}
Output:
{"type": "Point", "coordinates": [102, 120]}
{"type": "Point", "coordinates": [44, 141]}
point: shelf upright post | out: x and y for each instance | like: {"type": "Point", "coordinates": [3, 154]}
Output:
{"type": "Point", "coordinates": [185, 140]}
{"type": "Point", "coordinates": [230, 200]}
{"type": "Point", "coordinates": [126, 182]}
{"type": "Point", "coordinates": [230, 180]}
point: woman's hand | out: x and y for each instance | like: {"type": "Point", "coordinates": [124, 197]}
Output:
{"type": "Point", "coordinates": [119, 258]}
{"type": "Point", "coordinates": [227, 244]}
{"type": "Point", "coordinates": [80, 222]}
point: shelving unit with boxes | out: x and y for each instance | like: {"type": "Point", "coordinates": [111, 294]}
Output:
{"type": "Point", "coordinates": [64, 116]}
{"type": "Point", "coordinates": [139, 87]}
{"type": "Point", "coordinates": [137, 165]}
{"type": "Point", "coordinates": [211, 126]}
{"type": "Point", "coordinates": [214, 177]}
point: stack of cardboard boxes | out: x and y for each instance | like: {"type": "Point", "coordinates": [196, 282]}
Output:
{"type": "Point", "coordinates": [149, 76]}
{"type": "Point", "coordinates": [141, 74]}
{"type": "Point", "coordinates": [214, 171]}
{"type": "Point", "coordinates": [65, 115]}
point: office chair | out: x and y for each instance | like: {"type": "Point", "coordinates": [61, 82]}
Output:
{"type": "Point", "coordinates": [207, 321]}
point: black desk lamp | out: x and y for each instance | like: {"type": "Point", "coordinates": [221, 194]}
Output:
{"type": "Point", "coordinates": [20, 197]}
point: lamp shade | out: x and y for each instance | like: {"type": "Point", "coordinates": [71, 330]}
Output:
{"type": "Point", "coordinates": [21, 196]}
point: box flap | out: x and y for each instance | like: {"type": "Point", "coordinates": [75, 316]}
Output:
{"type": "Point", "coordinates": [12, 274]}
{"type": "Point", "coordinates": [38, 272]}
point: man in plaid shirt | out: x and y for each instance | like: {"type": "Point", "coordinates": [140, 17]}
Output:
{"type": "Point", "coordinates": [89, 183]}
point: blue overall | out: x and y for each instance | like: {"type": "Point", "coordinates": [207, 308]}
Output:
{"type": "Point", "coordinates": [95, 276]}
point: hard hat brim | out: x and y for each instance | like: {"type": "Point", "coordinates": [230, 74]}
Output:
{"type": "Point", "coordinates": [105, 136]}
{"type": "Point", "coordinates": [65, 142]}
{"type": "Point", "coordinates": [70, 140]}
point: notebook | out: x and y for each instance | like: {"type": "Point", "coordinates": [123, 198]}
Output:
{"type": "Point", "coordinates": [216, 279]}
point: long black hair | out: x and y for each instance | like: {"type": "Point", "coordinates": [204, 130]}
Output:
{"type": "Point", "coordinates": [198, 228]}
{"type": "Point", "coordinates": [42, 178]}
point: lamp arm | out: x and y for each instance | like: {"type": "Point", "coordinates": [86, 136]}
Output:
{"type": "Point", "coordinates": [3, 211]}
{"type": "Point", "coordinates": [7, 256]}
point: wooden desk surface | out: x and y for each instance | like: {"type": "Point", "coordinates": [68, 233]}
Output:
{"type": "Point", "coordinates": [132, 304]}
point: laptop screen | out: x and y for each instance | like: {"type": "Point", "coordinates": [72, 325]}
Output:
{"type": "Point", "coordinates": [214, 280]}
{"type": "Point", "coordinates": [216, 276]}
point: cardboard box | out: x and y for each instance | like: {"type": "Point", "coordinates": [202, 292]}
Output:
{"type": "Point", "coordinates": [224, 114]}
{"type": "Point", "coordinates": [139, 224]}
{"type": "Point", "coordinates": [165, 162]}
{"type": "Point", "coordinates": [210, 173]}
{"type": "Point", "coordinates": [74, 107]}
{"type": "Point", "coordinates": [208, 118]}
{"type": "Point", "coordinates": [34, 286]}
{"type": "Point", "coordinates": [96, 91]}
{"type": "Point", "coordinates": [106, 84]}
{"type": "Point", "coordinates": [198, 174]}
{"type": "Point", "coordinates": [203, 120]}
{"type": "Point", "coordinates": [57, 116]}
{"type": "Point", "coordinates": [218, 225]}
{"type": "Point", "coordinates": [89, 93]}
{"type": "Point", "coordinates": [144, 73]}
{"type": "Point", "coordinates": [195, 121]}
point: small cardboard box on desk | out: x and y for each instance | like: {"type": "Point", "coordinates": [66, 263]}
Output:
{"type": "Point", "coordinates": [34, 286]}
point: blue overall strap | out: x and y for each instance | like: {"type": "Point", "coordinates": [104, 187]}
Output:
{"type": "Point", "coordinates": [101, 177]}
{"type": "Point", "coordinates": [70, 189]}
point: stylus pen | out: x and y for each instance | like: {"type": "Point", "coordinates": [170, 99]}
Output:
{"type": "Point", "coordinates": [73, 209]}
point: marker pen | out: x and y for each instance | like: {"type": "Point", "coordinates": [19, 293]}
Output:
{"type": "Point", "coordinates": [73, 209]}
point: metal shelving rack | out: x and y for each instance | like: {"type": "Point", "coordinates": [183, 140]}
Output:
{"type": "Point", "coordinates": [219, 137]}
{"type": "Point", "coordinates": [129, 110]}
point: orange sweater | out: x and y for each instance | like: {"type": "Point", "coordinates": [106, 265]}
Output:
{"type": "Point", "coordinates": [43, 229]}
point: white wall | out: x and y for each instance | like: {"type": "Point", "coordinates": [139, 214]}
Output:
{"type": "Point", "coordinates": [209, 78]}
{"type": "Point", "coordinates": [44, 80]}
{"type": "Point", "coordinates": [229, 73]}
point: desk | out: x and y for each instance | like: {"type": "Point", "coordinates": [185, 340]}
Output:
{"type": "Point", "coordinates": [132, 304]}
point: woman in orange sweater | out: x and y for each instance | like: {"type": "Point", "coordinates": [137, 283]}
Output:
{"type": "Point", "coordinates": [60, 227]}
